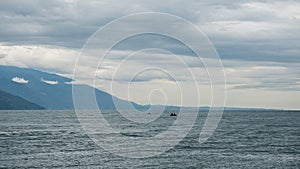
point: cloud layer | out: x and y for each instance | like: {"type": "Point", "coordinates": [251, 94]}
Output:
{"type": "Point", "coordinates": [258, 42]}
{"type": "Point", "coordinates": [256, 30]}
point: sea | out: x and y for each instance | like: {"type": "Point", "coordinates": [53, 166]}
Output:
{"type": "Point", "coordinates": [243, 139]}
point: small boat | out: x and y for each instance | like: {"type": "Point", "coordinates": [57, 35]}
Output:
{"type": "Point", "coordinates": [173, 114]}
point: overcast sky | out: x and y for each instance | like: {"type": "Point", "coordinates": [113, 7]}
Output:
{"type": "Point", "coordinates": [257, 41]}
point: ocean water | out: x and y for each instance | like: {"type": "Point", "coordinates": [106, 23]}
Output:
{"type": "Point", "coordinates": [243, 139]}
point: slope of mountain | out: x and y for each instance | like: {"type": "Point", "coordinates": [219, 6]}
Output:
{"type": "Point", "coordinates": [55, 92]}
{"type": "Point", "coordinates": [11, 102]}
{"type": "Point", "coordinates": [48, 90]}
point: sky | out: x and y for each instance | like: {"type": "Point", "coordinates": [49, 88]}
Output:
{"type": "Point", "coordinates": [258, 43]}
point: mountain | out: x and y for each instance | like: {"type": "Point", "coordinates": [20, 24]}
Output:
{"type": "Point", "coordinates": [54, 92]}
{"type": "Point", "coordinates": [11, 102]}
{"type": "Point", "coordinates": [50, 90]}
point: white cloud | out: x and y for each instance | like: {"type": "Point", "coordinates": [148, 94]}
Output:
{"type": "Point", "coordinates": [49, 82]}
{"type": "Point", "coordinates": [49, 58]}
{"type": "Point", "coordinates": [20, 80]}
{"type": "Point", "coordinates": [70, 83]}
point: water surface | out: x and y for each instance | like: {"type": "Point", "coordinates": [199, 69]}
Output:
{"type": "Point", "coordinates": [244, 139]}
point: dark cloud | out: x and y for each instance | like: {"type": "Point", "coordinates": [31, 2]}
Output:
{"type": "Point", "coordinates": [256, 30]}
{"type": "Point", "coordinates": [251, 31]}
{"type": "Point", "coordinates": [270, 86]}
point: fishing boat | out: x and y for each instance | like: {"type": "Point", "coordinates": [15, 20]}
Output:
{"type": "Point", "coordinates": [173, 114]}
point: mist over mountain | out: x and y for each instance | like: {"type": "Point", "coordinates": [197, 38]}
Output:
{"type": "Point", "coordinates": [12, 102]}
{"type": "Point", "coordinates": [54, 92]}
{"type": "Point", "coordinates": [48, 90]}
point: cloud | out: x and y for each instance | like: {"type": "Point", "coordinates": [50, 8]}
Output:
{"type": "Point", "coordinates": [49, 58]}
{"type": "Point", "coordinates": [70, 83]}
{"type": "Point", "coordinates": [241, 30]}
{"type": "Point", "coordinates": [126, 69]}
{"type": "Point", "coordinates": [264, 76]}
{"type": "Point", "coordinates": [257, 41]}
{"type": "Point", "coordinates": [19, 80]}
{"type": "Point", "coordinates": [2, 55]}
{"type": "Point", "coordinates": [49, 82]}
